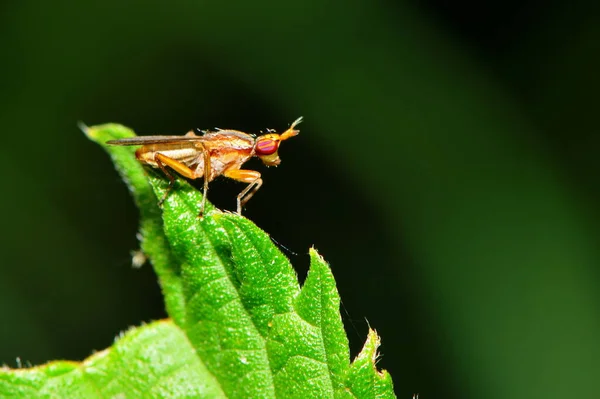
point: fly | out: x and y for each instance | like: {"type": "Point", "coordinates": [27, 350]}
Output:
{"type": "Point", "coordinates": [215, 153]}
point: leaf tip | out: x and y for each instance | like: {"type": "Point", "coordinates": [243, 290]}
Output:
{"type": "Point", "coordinates": [102, 133]}
{"type": "Point", "coordinates": [372, 345]}
{"type": "Point", "coordinates": [314, 253]}
{"type": "Point", "coordinates": [89, 132]}
{"type": "Point", "coordinates": [318, 263]}
{"type": "Point", "coordinates": [370, 351]}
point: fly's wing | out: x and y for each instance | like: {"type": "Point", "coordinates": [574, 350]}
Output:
{"type": "Point", "coordinates": [222, 140]}
{"type": "Point", "coordinates": [143, 140]}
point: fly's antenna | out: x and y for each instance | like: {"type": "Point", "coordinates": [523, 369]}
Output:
{"type": "Point", "coordinates": [296, 122]}
{"type": "Point", "coordinates": [291, 132]}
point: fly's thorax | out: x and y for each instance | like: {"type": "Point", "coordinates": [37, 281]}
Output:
{"type": "Point", "coordinates": [232, 139]}
{"type": "Point", "coordinates": [223, 159]}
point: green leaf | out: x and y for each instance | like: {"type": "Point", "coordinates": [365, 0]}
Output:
{"type": "Point", "coordinates": [152, 361]}
{"type": "Point", "coordinates": [242, 326]}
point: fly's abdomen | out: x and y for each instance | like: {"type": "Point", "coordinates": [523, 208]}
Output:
{"type": "Point", "coordinates": [185, 155]}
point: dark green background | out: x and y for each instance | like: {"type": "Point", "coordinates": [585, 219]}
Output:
{"type": "Point", "coordinates": [447, 169]}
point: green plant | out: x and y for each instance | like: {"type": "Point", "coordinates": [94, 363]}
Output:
{"type": "Point", "coordinates": [240, 325]}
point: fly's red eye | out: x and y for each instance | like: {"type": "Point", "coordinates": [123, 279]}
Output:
{"type": "Point", "coordinates": [266, 147]}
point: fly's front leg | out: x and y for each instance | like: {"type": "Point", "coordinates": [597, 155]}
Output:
{"type": "Point", "coordinates": [163, 161]}
{"type": "Point", "coordinates": [251, 177]}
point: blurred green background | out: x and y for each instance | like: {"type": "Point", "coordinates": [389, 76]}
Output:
{"type": "Point", "coordinates": [447, 169]}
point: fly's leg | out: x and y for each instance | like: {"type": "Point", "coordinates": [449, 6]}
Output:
{"type": "Point", "coordinates": [207, 176]}
{"type": "Point", "coordinates": [248, 192]}
{"type": "Point", "coordinates": [162, 167]}
{"type": "Point", "coordinates": [251, 177]}
{"type": "Point", "coordinates": [163, 161]}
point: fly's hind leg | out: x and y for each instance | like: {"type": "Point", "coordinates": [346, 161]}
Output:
{"type": "Point", "coordinates": [163, 161]}
{"type": "Point", "coordinates": [171, 178]}
{"type": "Point", "coordinates": [207, 176]}
{"type": "Point", "coordinates": [251, 177]}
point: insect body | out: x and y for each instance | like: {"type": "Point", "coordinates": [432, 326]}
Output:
{"type": "Point", "coordinates": [215, 153]}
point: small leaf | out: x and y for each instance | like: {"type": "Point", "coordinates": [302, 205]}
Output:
{"type": "Point", "coordinates": [364, 380]}
{"type": "Point", "coordinates": [237, 307]}
{"type": "Point", "coordinates": [153, 361]}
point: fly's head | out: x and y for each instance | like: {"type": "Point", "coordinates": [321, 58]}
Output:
{"type": "Point", "coordinates": [267, 145]}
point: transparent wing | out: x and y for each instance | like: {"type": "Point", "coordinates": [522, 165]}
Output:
{"type": "Point", "coordinates": [143, 140]}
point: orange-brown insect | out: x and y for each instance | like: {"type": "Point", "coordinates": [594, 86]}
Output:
{"type": "Point", "coordinates": [216, 153]}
